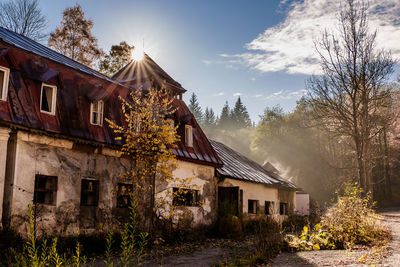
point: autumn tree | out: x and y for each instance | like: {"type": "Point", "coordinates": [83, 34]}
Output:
{"type": "Point", "coordinates": [117, 58]}
{"type": "Point", "coordinates": [23, 17]}
{"type": "Point", "coordinates": [348, 100]}
{"type": "Point", "coordinates": [195, 108]}
{"type": "Point", "coordinates": [74, 38]}
{"type": "Point", "coordinates": [149, 135]}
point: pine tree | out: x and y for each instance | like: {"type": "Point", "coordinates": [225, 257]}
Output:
{"type": "Point", "coordinates": [118, 57]}
{"type": "Point", "coordinates": [209, 118]}
{"type": "Point", "coordinates": [74, 38]}
{"type": "Point", "coordinates": [225, 120]}
{"type": "Point", "coordinates": [239, 115]}
{"type": "Point", "coordinates": [195, 108]}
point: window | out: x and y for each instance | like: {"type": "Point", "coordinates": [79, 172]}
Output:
{"type": "Point", "coordinates": [48, 99]}
{"type": "Point", "coordinates": [269, 207]}
{"type": "Point", "coordinates": [185, 197]}
{"type": "Point", "coordinates": [188, 135]}
{"type": "Point", "coordinates": [45, 189]}
{"type": "Point", "coordinates": [96, 113]}
{"type": "Point", "coordinates": [252, 206]}
{"type": "Point", "coordinates": [89, 192]}
{"type": "Point", "coordinates": [124, 195]}
{"type": "Point", "coordinates": [4, 77]}
{"type": "Point", "coordinates": [283, 208]}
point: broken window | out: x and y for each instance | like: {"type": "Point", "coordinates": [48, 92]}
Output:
{"type": "Point", "coordinates": [48, 99]}
{"type": "Point", "coordinates": [45, 189]}
{"type": "Point", "coordinates": [185, 197]}
{"type": "Point", "coordinates": [269, 207]}
{"type": "Point", "coordinates": [252, 206]}
{"type": "Point", "coordinates": [188, 136]}
{"type": "Point", "coordinates": [283, 208]}
{"type": "Point", "coordinates": [96, 113]}
{"type": "Point", "coordinates": [124, 195]}
{"type": "Point", "coordinates": [4, 76]}
{"type": "Point", "coordinates": [89, 192]}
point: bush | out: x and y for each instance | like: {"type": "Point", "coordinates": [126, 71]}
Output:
{"type": "Point", "coordinates": [351, 221]}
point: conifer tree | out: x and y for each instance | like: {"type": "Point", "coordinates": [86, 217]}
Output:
{"type": "Point", "coordinates": [240, 116]}
{"type": "Point", "coordinates": [74, 38]}
{"type": "Point", "coordinates": [195, 108]}
{"type": "Point", "coordinates": [118, 57]}
{"type": "Point", "coordinates": [224, 121]}
{"type": "Point", "coordinates": [209, 118]}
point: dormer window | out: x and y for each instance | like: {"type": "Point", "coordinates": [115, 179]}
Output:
{"type": "Point", "coordinates": [96, 113]}
{"type": "Point", "coordinates": [188, 136]}
{"type": "Point", "coordinates": [48, 98]}
{"type": "Point", "coordinates": [4, 77]}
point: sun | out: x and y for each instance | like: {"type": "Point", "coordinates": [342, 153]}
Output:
{"type": "Point", "coordinates": [137, 54]}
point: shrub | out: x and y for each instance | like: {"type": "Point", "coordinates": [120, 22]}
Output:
{"type": "Point", "coordinates": [351, 221]}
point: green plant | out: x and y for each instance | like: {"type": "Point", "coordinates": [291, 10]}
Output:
{"type": "Point", "coordinates": [350, 221]}
{"type": "Point", "coordinates": [132, 242]}
{"type": "Point", "coordinates": [108, 261]}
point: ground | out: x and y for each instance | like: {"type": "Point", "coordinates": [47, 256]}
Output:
{"type": "Point", "coordinates": [215, 253]}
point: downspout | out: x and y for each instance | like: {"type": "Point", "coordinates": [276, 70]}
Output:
{"type": "Point", "coordinates": [9, 179]}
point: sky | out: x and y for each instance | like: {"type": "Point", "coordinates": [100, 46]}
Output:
{"type": "Point", "coordinates": [260, 50]}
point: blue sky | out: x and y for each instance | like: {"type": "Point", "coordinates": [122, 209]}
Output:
{"type": "Point", "coordinates": [219, 49]}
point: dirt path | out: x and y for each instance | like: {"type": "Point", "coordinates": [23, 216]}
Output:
{"type": "Point", "coordinates": [343, 257]}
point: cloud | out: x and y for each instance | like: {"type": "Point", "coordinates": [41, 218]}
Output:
{"type": "Point", "coordinates": [252, 79]}
{"type": "Point", "coordinates": [287, 94]}
{"type": "Point", "coordinates": [289, 46]}
{"type": "Point", "coordinates": [207, 62]}
{"type": "Point", "coordinates": [237, 94]}
{"type": "Point", "coordinates": [220, 94]}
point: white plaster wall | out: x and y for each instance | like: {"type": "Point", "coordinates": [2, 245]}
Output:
{"type": "Point", "coordinates": [254, 191]}
{"type": "Point", "coordinates": [4, 135]}
{"type": "Point", "coordinates": [49, 156]}
{"type": "Point", "coordinates": [262, 193]}
{"type": "Point", "coordinates": [204, 181]}
{"type": "Point", "coordinates": [55, 157]}
{"type": "Point", "coordinates": [303, 204]}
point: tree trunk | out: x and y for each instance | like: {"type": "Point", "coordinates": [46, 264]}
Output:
{"type": "Point", "coordinates": [388, 184]}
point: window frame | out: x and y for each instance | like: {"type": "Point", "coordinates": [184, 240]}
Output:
{"type": "Point", "coordinates": [52, 190]}
{"type": "Point", "coordinates": [194, 202]}
{"type": "Point", "coordinates": [53, 99]}
{"type": "Point", "coordinates": [99, 111]}
{"type": "Point", "coordinates": [271, 207]}
{"type": "Point", "coordinates": [248, 206]}
{"type": "Point", "coordinates": [97, 192]}
{"type": "Point", "coordinates": [283, 208]}
{"type": "Point", "coordinates": [119, 185]}
{"type": "Point", "coordinates": [188, 135]}
{"type": "Point", "coordinates": [4, 92]}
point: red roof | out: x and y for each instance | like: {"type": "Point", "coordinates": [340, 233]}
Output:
{"type": "Point", "coordinates": [31, 64]}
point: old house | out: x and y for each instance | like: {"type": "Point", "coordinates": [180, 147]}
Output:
{"type": "Point", "coordinates": [250, 188]}
{"type": "Point", "coordinates": [57, 151]}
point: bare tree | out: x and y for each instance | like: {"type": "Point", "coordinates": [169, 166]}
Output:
{"type": "Point", "coordinates": [23, 17]}
{"type": "Point", "coordinates": [350, 99]}
{"type": "Point", "coordinates": [74, 37]}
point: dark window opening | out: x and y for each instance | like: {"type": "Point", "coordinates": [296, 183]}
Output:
{"type": "Point", "coordinates": [283, 209]}
{"type": "Point", "coordinates": [269, 207]}
{"type": "Point", "coordinates": [48, 99]}
{"type": "Point", "coordinates": [45, 189]}
{"type": "Point", "coordinates": [124, 195]}
{"type": "Point", "coordinates": [185, 197]}
{"type": "Point", "coordinates": [89, 192]}
{"type": "Point", "coordinates": [252, 206]}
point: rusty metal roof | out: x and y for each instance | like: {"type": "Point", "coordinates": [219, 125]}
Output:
{"type": "Point", "coordinates": [138, 72]}
{"type": "Point", "coordinates": [31, 63]}
{"type": "Point", "coordinates": [27, 44]}
{"type": "Point", "coordinates": [239, 167]}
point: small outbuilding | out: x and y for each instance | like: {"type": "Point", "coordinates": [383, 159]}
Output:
{"type": "Point", "coordinates": [250, 188]}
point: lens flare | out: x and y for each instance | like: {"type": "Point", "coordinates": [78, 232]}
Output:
{"type": "Point", "coordinates": [137, 54]}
